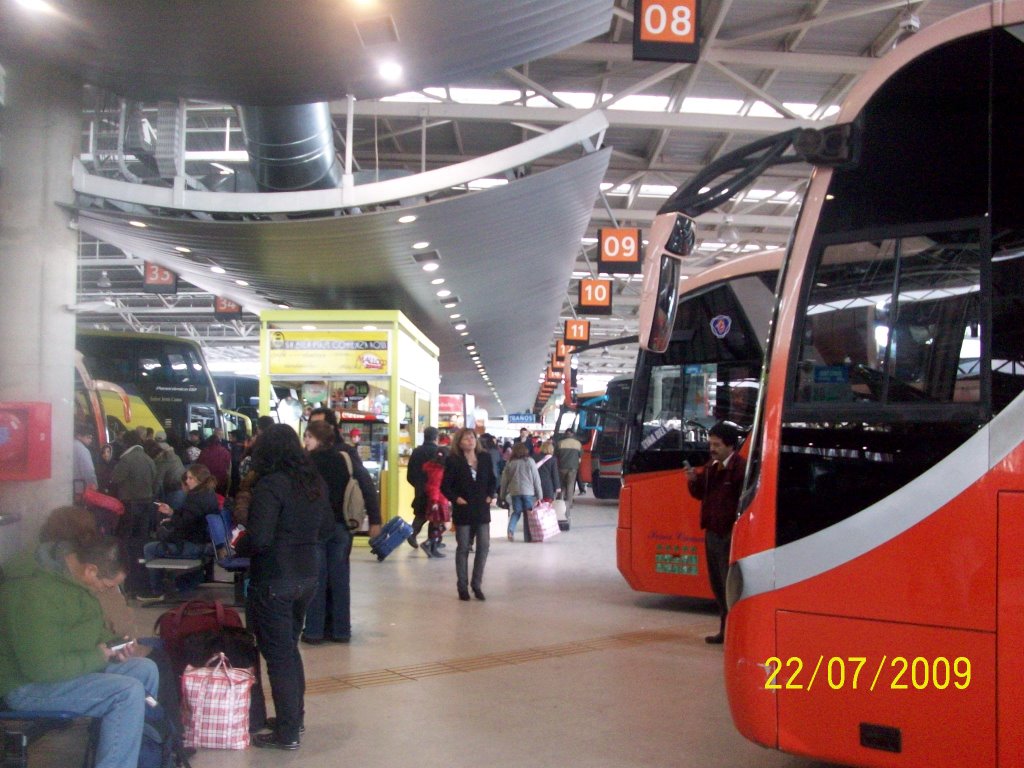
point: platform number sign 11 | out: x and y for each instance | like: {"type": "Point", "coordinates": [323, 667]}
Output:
{"type": "Point", "coordinates": [577, 332]}
{"type": "Point", "coordinates": [618, 250]}
{"type": "Point", "coordinates": [156, 279]}
{"type": "Point", "coordinates": [595, 296]}
{"type": "Point", "coordinates": [666, 30]}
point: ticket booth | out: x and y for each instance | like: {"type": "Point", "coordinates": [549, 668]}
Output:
{"type": "Point", "coordinates": [376, 369]}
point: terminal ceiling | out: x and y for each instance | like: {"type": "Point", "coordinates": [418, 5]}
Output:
{"type": "Point", "coordinates": [764, 67]}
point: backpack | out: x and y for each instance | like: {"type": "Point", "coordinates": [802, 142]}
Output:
{"type": "Point", "coordinates": [353, 506]}
{"type": "Point", "coordinates": [194, 616]}
{"type": "Point", "coordinates": [161, 742]}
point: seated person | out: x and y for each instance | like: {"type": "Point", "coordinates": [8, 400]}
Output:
{"type": "Point", "coordinates": [53, 643]}
{"type": "Point", "coordinates": [183, 532]}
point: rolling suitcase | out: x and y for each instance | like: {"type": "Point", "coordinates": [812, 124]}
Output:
{"type": "Point", "coordinates": [391, 536]}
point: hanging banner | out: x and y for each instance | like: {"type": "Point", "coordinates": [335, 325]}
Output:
{"type": "Point", "coordinates": [328, 353]}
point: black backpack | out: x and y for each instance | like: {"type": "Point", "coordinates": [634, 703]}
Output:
{"type": "Point", "coordinates": [161, 742]}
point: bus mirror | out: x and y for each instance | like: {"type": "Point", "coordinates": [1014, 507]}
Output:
{"type": "Point", "coordinates": [671, 238]}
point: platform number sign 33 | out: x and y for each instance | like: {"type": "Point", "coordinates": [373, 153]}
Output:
{"type": "Point", "coordinates": [156, 279]}
{"type": "Point", "coordinates": [595, 296]}
{"type": "Point", "coordinates": [666, 30]}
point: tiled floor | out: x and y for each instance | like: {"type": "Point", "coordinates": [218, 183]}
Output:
{"type": "Point", "coordinates": [563, 665]}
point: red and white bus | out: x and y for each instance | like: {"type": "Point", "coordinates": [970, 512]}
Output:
{"type": "Point", "coordinates": [709, 369]}
{"type": "Point", "coordinates": [877, 577]}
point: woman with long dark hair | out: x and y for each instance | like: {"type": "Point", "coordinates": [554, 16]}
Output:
{"type": "Point", "coordinates": [469, 484]}
{"type": "Point", "coordinates": [289, 516]}
{"type": "Point", "coordinates": [182, 531]}
{"type": "Point", "coordinates": [332, 590]}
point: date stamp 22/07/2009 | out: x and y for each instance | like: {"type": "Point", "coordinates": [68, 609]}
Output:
{"type": "Point", "coordinates": [897, 673]}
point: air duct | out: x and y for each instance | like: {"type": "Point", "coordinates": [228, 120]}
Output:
{"type": "Point", "coordinates": [291, 147]}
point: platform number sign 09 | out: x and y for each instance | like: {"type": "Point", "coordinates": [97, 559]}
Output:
{"type": "Point", "coordinates": [156, 279]}
{"type": "Point", "coordinates": [666, 30]}
{"type": "Point", "coordinates": [595, 296]}
{"type": "Point", "coordinates": [619, 250]}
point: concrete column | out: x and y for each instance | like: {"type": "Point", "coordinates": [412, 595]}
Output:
{"type": "Point", "coordinates": [40, 129]}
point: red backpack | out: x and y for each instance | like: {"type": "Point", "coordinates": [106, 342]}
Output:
{"type": "Point", "coordinates": [194, 616]}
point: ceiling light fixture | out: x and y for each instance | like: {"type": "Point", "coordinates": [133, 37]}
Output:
{"type": "Point", "coordinates": [429, 260]}
{"type": "Point", "coordinates": [407, 219]}
{"type": "Point", "coordinates": [36, 5]}
{"type": "Point", "coordinates": [104, 281]}
{"type": "Point", "coordinates": [455, 315]}
{"type": "Point", "coordinates": [182, 249]}
{"type": "Point", "coordinates": [137, 223]}
{"type": "Point", "coordinates": [284, 306]}
{"type": "Point", "coordinates": [218, 270]}
{"type": "Point", "coordinates": [390, 70]}
{"type": "Point", "coordinates": [242, 283]}
{"type": "Point", "coordinates": [421, 245]}
{"type": "Point", "coordinates": [444, 293]}
{"type": "Point", "coordinates": [369, 327]}
{"type": "Point", "coordinates": [431, 266]}
{"type": "Point", "coordinates": [437, 281]}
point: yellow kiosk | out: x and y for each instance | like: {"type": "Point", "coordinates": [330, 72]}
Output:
{"type": "Point", "coordinates": [377, 370]}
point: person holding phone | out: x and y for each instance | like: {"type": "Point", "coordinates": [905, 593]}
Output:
{"type": "Point", "coordinates": [182, 532]}
{"type": "Point", "coordinates": [54, 652]}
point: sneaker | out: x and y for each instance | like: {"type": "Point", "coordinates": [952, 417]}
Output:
{"type": "Point", "coordinates": [271, 741]}
{"type": "Point", "coordinates": [150, 599]}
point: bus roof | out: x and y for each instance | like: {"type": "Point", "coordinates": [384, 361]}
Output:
{"type": "Point", "coordinates": [763, 261]}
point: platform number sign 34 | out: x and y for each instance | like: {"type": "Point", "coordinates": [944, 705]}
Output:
{"type": "Point", "coordinates": [666, 30]}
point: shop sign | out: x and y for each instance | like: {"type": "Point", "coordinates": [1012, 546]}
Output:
{"type": "Point", "coordinates": [328, 353]}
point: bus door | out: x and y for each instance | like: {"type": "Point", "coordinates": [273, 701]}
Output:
{"type": "Point", "coordinates": [202, 417]}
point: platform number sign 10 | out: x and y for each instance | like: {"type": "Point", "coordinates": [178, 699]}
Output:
{"type": "Point", "coordinates": [577, 332]}
{"type": "Point", "coordinates": [595, 296]}
{"type": "Point", "coordinates": [619, 250]}
{"type": "Point", "coordinates": [156, 279]}
{"type": "Point", "coordinates": [666, 30]}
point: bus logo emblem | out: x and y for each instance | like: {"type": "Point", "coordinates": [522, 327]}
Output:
{"type": "Point", "coordinates": [720, 325]}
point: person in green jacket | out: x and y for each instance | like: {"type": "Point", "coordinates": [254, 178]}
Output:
{"type": "Point", "coordinates": [54, 652]}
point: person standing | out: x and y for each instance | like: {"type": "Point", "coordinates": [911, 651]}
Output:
{"type": "Point", "coordinates": [521, 480]}
{"type": "Point", "coordinates": [83, 468]}
{"type": "Point", "coordinates": [169, 472]}
{"type": "Point", "coordinates": [568, 456]}
{"type": "Point", "coordinates": [469, 484]}
{"type": "Point", "coordinates": [217, 458]}
{"type": "Point", "coordinates": [417, 478]}
{"type": "Point", "coordinates": [333, 590]}
{"type": "Point", "coordinates": [547, 467]}
{"type": "Point", "coordinates": [134, 477]}
{"type": "Point", "coordinates": [718, 485]}
{"type": "Point", "coordinates": [289, 517]}
{"type": "Point", "coordinates": [527, 439]}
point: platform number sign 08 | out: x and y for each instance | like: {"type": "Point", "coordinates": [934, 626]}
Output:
{"type": "Point", "coordinates": [666, 30]}
{"type": "Point", "coordinates": [619, 250]}
{"type": "Point", "coordinates": [156, 279]}
{"type": "Point", "coordinates": [595, 296]}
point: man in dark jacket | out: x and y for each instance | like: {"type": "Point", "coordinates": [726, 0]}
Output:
{"type": "Point", "coordinates": [418, 479]}
{"type": "Point", "coordinates": [718, 485]}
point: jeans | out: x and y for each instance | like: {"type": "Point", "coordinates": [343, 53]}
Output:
{"type": "Point", "coordinates": [520, 506]}
{"type": "Point", "coordinates": [117, 695]}
{"type": "Point", "coordinates": [182, 549]}
{"type": "Point", "coordinates": [276, 612]}
{"type": "Point", "coordinates": [333, 579]}
{"type": "Point", "coordinates": [483, 545]}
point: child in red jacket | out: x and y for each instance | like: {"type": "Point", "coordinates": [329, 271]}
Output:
{"type": "Point", "coordinates": [439, 509]}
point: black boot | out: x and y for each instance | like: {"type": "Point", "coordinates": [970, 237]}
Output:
{"type": "Point", "coordinates": [435, 548]}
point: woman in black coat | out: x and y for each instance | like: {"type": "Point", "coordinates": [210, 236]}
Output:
{"type": "Point", "coordinates": [289, 517]}
{"type": "Point", "coordinates": [332, 596]}
{"type": "Point", "coordinates": [469, 484]}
